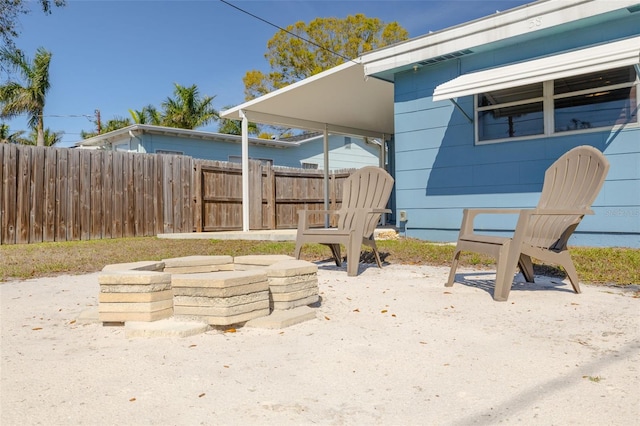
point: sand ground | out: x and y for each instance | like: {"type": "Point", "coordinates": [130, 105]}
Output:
{"type": "Point", "coordinates": [392, 346]}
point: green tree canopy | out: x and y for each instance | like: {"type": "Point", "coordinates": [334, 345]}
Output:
{"type": "Point", "coordinates": [6, 136]}
{"type": "Point", "coordinates": [28, 98]}
{"type": "Point", "coordinates": [332, 41]}
{"type": "Point", "coordinates": [147, 115]}
{"type": "Point", "coordinates": [111, 125]}
{"type": "Point", "coordinates": [187, 110]}
{"type": "Point", "coordinates": [50, 138]}
{"type": "Point", "coordinates": [10, 10]}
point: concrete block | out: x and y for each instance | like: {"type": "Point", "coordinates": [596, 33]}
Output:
{"type": "Point", "coordinates": [134, 316]}
{"type": "Point", "coordinates": [220, 311]}
{"type": "Point", "coordinates": [221, 292]}
{"type": "Point", "coordinates": [292, 285]}
{"type": "Point", "coordinates": [278, 306]}
{"type": "Point", "coordinates": [169, 327]}
{"type": "Point", "coordinates": [199, 269]}
{"type": "Point", "coordinates": [221, 302]}
{"type": "Point", "coordinates": [233, 319]}
{"type": "Point", "coordinates": [133, 277]}
{"type": "Point", "coordinates": [282, 319]}
{"type": "Point", "coordinates": [136, 307]}
{"type": "Point", "coordinates": [135, 297]}
{"type": "Point", "coordinates": [295, 295]}
{"type": "Point", "coordinates": [250, 262]}
{"type": "Point", "coordinates": [218, 279]}
{"type": "Point", "coordinates": [289, 268]}
{"type": "Point", "coordinates": [143, 265]}
{"type": "Point", "coordinates": [189, 261]}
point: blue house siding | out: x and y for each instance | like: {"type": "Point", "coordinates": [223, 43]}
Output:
{"type": "Point", "coordinates": [344, 151]}
{"type": "Point", "coordinates": [439, 170]}
{"type": "Point", "coordinates": [220, 151]}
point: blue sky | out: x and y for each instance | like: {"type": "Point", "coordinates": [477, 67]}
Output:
{"type": "Point", "coordinates": [120, 55]}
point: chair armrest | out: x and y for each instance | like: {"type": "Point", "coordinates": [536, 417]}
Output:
{"type": "Point", "coordinates": [469, 215]}
{"type": "Point", "coordinates": [303, 216]}
{"type": "Point", "coordinates": [558, 212]}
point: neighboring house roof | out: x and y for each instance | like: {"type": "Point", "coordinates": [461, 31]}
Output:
{"type": "Point", "coordinates": [137, 129]}
{"type": "Point", "coordinates": [345, 100]}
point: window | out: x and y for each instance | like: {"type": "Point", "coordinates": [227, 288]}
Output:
{"type": "Point", "coordinates": [579, 103]}
{"type": "Point", "coordinates": [511, 113]}
{"type": "Point", "coordinates": [347, 142]}
{"type": "Point", "coordinates": [310, 166]}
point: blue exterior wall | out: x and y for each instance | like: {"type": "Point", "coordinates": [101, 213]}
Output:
{"type": "Point", "coordinates": [354, 155]}
{"type": "Point", "coordinates": [439, 170]}
{"type": "Point", "coordinates": [344, 152]}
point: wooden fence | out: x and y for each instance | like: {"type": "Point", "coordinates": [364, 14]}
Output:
{"type": "Point", "coordinates": [276, 194]}
{"type": "Point", "coordinates": [60, 194]}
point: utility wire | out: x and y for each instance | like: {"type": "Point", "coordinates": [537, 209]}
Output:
{"type": "Point", "coordinates": [287, 31]}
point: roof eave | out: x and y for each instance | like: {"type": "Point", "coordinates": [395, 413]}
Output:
{"type": "Point", "coordinates": [521, 20]}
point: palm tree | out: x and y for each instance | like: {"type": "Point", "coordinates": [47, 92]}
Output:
{"type": "Point", "coordinates": [50, 138]}
{"type": "Point", "coordinates": [7, 137]}
{"type": "Point", "coordinates": [147, 115]}
{"type": "Point", "coordinates": [111, 125]}
{"type": "Point", "coordinates": [17, 99]}
{"type": "Point", "coordinates": [234, 127]}
{"type": "Point", "coordinates": [187, 110]}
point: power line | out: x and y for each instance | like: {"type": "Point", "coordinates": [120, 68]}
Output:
{"type": "Point", "coordinates": [287, 31]}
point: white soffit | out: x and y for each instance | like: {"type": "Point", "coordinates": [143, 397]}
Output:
{"type": "Point", "coordinates": [341, 99]}
{"type": "Point", "coordinates": [593, 59]}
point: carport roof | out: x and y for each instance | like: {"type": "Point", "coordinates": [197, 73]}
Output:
{"type": "Point", "coordinates": [341, 99]}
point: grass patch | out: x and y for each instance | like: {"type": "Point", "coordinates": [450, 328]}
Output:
{"type": "Point", "coordinates": [619, 266]}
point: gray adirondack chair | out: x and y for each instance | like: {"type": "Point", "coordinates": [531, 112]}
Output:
{"type": "Point", "coordinates": [364, 198]}
{"type": "Point", "coordinates": [571, 184]}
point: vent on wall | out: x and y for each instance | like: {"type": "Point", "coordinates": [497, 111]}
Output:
{"type": "Point", "coordinates": [446, 57]}
{"type": "Point", "coordinates": [634, 9]}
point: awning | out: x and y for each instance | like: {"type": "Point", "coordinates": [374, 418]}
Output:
{"type": "Point", "coordinates": [593, 59]}
{"type": "Point", "coordinates": [341, 100]}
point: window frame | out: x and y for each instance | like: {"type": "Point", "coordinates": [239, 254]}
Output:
{"type": "Point", "coordinates": [548, 109]}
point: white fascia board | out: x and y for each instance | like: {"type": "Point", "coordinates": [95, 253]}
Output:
{"type": "Point", "coordinates": [279, 120]}
{"type": "Point", "coordinates": [525, 19]}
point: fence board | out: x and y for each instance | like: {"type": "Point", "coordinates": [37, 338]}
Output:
{"type": "Point", "coordinates": [49, 200]}
{"type": "Point", "coordinates": [106, 227]}
{"type": "Point", "coordinates": [62, 195]}
{"type": "Point", "coordinates": [96, 208]}
{"type": "Point", "coordinates": [10, 174]}
{"type": "Point", "coordinates": [23, 196]}
{"type": "Point", "coordinates": [36, 210]}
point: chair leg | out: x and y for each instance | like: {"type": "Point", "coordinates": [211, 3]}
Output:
{"type": "Point", "coordinates": [374, 247]}
{"type": "Point", "coordinates": [506, 268]}
{"type": "Point", "coordinates": [298, 249]}
{"type": "Point", "coordinates": [564, 260]}
{"type": "Point", "coordinates": [526, 267]}
{"type": "Point", "coordinates": [353, 256]}
{"type": "Point", "coordinates": [335, 251]}
{"type": "Point", "coordinates": [454, 266]}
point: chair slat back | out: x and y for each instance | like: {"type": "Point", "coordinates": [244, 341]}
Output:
{"type": "Point", "coordinates": [368, 187]}
{"type": "Point", "coordinates": [572, 182]}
